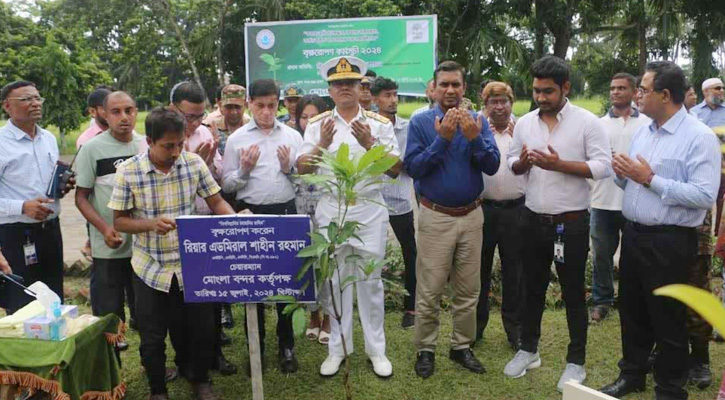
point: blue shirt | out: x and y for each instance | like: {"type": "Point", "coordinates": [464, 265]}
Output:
{"type": "Point", "coordinates": [710, 117]}
{"type": "Point", "coordinates": [685, 156]}
{"type": "Point", "coordinates": [448, 173]}
{"type": "Point", "coordinates": [26, 167]}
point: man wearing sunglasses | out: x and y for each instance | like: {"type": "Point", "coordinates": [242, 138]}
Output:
{"type": "Point", "coordinates": [712, 110]}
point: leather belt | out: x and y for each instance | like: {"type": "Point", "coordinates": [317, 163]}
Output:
{"type": "Point", "coordinates": [551, 219]}
{"type": "Point", "coordinates": [661, 228]}
{"type": "Point", "coordinates": [504, 203]}
{"type": "Point", "coordinates": [452, 211]}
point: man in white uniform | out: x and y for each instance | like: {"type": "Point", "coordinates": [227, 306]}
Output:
{"type": "Point", "coordinates": [360, 130]}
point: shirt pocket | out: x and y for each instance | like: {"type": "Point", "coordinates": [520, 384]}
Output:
{"type": "Point", "coordinates": [670, 168]}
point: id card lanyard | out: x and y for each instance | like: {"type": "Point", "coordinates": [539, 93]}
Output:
{"type": "Point", "coordinates": [29, 250]}
{"type": "Point", "coordinates": [559, 244]}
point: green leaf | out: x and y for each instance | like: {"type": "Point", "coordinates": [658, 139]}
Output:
{"type": "Point", "coordinates": [290, 308]}
{"type": "Point", "coordinates": [305, 267]}
{"type": "Point", "coordinates": [268, 59]}
{"type": "Point", "coordinates": [347, 281]}
{"type": "Point", "coordinates": [313, 250]}
{"type": "Point", "coordinates": [380, 166]}
{"type": "Point", "coordinates": [281, 299]}
{"type": "Point", "coordinates": [353, 259]}
{"type": "Point", "coordinates": [333, 232]}
{"type": "Point", "coordinates": [299, 321]}
{"type": "Point", "coordinates": [343, 154]}
{"type": "Point", "coordinates": [370, 156]}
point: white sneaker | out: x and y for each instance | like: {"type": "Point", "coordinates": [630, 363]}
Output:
{"type": "Point", "coordinates": [572, 372]}
{"type": "Point", "coordinates": [331, 365]}
{"type": "Point", "coordinates": [522, 362]}
{"type": "Point", "coordinates": [381, 366]}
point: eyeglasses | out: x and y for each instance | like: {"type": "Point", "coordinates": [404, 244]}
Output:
{"type": "Point", "coordinates": [718, 88]}
{"type": "Point", "coordinates": [28, 99]}
{"type": "Point", "coordinates": [499, 102]}
{"type": "Point", "coordinates": [645, 91]}
{"type": "Point", "coordinates": [191, 118]}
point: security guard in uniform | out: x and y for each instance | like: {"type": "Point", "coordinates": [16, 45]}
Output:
{"type": "Point", "coordinates": [291, 95]}
{"type": "Point", "coordinates": [361, 130]}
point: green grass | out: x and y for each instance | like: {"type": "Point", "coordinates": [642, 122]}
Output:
{"type": "Point", "coordinates": [520, 108]}
{"type": "Point", "coordinates": [449, 382]}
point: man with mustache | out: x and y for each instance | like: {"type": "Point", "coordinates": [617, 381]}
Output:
{"type": "Point", "coordinates": [111, 272]}
{"type": "Point", "coordinates": [712, 110]}
{"type": "Point", "coordinates": [29, 226]}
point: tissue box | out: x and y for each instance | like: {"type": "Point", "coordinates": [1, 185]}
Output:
{"type": "Point", "coordinates": [37, 328]}
{"type": "Point", "coordinates": [69, 312]}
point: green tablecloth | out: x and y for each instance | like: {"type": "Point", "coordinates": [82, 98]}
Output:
{"type": "Point", "coordinates": [82, 367]}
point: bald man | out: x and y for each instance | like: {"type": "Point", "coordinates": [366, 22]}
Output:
{"type": "Point", "coordinates": [96, 164]}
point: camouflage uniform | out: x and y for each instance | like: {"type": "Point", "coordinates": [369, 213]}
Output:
{"type": "Point", "coordinates": [698, 275]}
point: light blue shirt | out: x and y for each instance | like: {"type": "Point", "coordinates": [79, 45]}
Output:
{"type": "Point", "coordinates": [398, 193]}
{"type": "Point", "coordinates": [685, 156]}
{"type": "Point", "coordinates": [710, 117]}
{"type": "Point", "coordinates": [26, 167]}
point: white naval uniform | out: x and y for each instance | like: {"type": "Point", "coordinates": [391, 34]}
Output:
{"type": "Point", "coordinates": [373, 232]}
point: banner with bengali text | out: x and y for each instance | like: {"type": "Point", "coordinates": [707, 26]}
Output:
{"type": "Point", "coordinates": [243, 258]}
{"type": "Point", "coordinates": [400, 48]}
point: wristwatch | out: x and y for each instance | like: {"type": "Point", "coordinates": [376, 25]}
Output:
{"type": "Point", "coordinates": [648, 183]}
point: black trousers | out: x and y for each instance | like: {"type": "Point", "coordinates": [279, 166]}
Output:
{"type": "Point", "coordinates": [49, 248]}
{"type": "Point", "coordinates": [285, 334]}
{"type": "Point", "coordinates": [653, 257]}
{"type": "Point", "coordinates": [404, 229]}
{"type": "Point", "coordinates": [502, 227]}
{"type": "Point", "coordinates": [111, 285]}
{"type": "Point", "coordinates": [538, 253]}
{"type": "Point", "coordinates": [189, 325]}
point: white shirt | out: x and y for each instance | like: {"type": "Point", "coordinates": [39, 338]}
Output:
{"type": "Point", "coordinates": [606, 195]}
{"type": "Point", "coordinates": [578, 136]}
{"type": "Point", "coordinates": [504, 184]}
{"type": "Point", "coordinates": [266, 183]}
{"type": "Point", "coordinates": [398, 192]}
{"type": "Point", "coordinates": [370, 213]}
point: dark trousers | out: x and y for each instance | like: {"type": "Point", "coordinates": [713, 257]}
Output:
{"type": "Point", "coordinates": [502, 227]}
{"type": "Point", "coordinates": [606, 226]}
{"type": "Point", "coordinates": [189, 325]}
{"type": "Point", "coordinates": [654, 257]}
{"type": "Point", "coordinates": [538, 253]}
{"type": "Point", "coordinates": [285, 334]}
{"type": "Point", "coordinates": [49, 248]}
{"type": "Point", "coordinates": [698, 275]}
{"type": "Point", "coordinates": [404, 229]}
{"type": "Point", "coordinates": [111, 284]}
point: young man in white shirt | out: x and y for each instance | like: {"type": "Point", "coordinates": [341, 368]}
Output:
{"type": "Point", "coordinates": [559, 146]}
{"type": "Point", "coordinates": [258, 164]}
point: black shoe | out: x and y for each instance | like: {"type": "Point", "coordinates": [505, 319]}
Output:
{"type": "Point", "coordinates": [408, 320]}
{"type": "Point", "coordinates": [466, 359]}
{"type": "Point", "coordinates": [425, 365]}
{"type": "Point", "coordinates": [624, 386]}
{"type": "Point", "coordinates": [287, 361]}
{"type": "Point", "coordinates": [227, 317]}
{"type": "Point", "coordinates": [700, 376]}
{"type": "Point", "coordinates": [224, 366]}
{"type": "Point", "coordinates": [224, 340]}
{"type": "Point", "coordinates": [121, 346]}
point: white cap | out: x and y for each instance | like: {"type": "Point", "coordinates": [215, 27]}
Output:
{"type": "Point", "coordinates": [343, 68]}
{"type": "Point", "coordinates": [711, 82]}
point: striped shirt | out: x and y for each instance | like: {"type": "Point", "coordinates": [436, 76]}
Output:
{"type": "Point", "coordinates": [397, 193]}
{"type": "Point", "coordinates": [26, 168]}
{"type": "Point", "coordinates": [149, 193]}
{"type": "Point", "coordinates": [685, 156]}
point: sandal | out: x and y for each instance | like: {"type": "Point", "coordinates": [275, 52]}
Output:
{"type": "Point", "coordinates": [324, 338]}
{"type": "Point", "coordinates": [313, 333]}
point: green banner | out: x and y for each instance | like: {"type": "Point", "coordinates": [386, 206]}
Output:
{"type": "Point", "coordinates": [399, 48]}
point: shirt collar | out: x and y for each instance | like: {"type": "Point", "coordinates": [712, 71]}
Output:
{"type": "Point", "coordinates": [672, 124]}
{"type": "Point", "coordinates": [562, 113]}
{"type": "Point", "coordinates": [495, 131]}
{"type": "Point", "coordinates": [18, 133]}
{"type": "Point", "coordinates": [253, 125]}
{"type": "Point", "coordinates": [147, 166]}
{"type": "Point", "coordinates": [635, 113]}
{"type": "Point", "coordinates": [360, 115]}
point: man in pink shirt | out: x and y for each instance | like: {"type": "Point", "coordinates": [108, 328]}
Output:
{"type": "Point", "coordinates": [95, 107]}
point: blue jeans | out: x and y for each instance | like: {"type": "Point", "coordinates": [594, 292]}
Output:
{"type": "Point", "coordinates": [606, 227]}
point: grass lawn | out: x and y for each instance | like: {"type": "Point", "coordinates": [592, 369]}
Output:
{"type": "Point", "coordinates": [449, 381]}
{"type": "Point", "coordinates": [520, 108]}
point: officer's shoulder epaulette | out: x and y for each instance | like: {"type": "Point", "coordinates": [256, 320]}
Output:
{"type": "Point", "coordinates": [377, 117]}
{"type": "Point", "coordinates": [319, 117]}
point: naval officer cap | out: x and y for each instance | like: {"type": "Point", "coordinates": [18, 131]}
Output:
{"type": "Point", "coordinates": [343, 68]}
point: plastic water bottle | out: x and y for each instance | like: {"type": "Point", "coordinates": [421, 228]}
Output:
{"type": "Point", "coordinates": [59, 326]}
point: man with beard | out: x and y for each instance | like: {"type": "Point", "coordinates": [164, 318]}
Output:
{"type": "Point", "coordinates": [95, 109]}
{"type": "Point", "coordinates": [503, 203]}
{"type": "Point", "coordinates": [559, 146]}
{"type": "Point", "coordinates": [448, 149]}
{"type": "Point", "coordinates": [349, 123]}
{"type": "Point", "coordinates": [398, 193]}
{"type": "Point", "coordinates": [712, 110]}
{"type": "Point", "coordinates": [29, 226]}
{"type": "Point", "coordinates": [607, 222]}
{"type": "Point", "coordinates": [111, 272]}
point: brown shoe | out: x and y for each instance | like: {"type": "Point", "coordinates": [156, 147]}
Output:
{"type": "Point", "coordinates": [163, 396]}
{"type": "Point", "coordinates": [203, 391]}
{"type": "Point", "coordinates": [599, 313]}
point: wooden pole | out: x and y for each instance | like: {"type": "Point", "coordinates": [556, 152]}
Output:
{"type": "Point", "coordinates": [255, 352]}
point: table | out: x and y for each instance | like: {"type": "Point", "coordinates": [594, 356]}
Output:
{"type": "Point", "coordinates": [81, 367]}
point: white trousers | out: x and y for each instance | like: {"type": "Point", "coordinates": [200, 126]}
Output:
{"type": "Point", "coordinates": [370, 296]}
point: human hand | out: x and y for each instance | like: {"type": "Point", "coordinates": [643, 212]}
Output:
{"type": "Point", "coordinates": [162, 225]}
{"type": "Point", "coordinates": [548, 161]}
{"type": "Point", "coordinates": [470, 127]}
{"type": "Point", "coordinates": [624, 166]}
{"type": "Point", "coordinates": [248, 158]}
{"type": "Point", "coordinates": [283, 155]}
{"type": "Point", "coordinates": [112, 238]}
{"type": "Point", "coordinates": [35, 209]}
{"type": "Point", "coordinates": [327, 133]}
{"type": "Point", "coordinates": [363, 134]}
{"type": "Point", "coordinates": [447, 126]}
